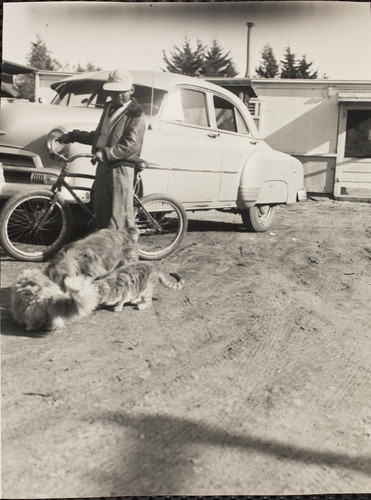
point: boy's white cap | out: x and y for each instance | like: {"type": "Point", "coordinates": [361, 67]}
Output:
{"type": "Point", "coordinates": [119, 80]}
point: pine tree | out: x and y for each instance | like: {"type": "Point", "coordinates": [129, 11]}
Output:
{"type": "Point", "coordinates": [39, 57]}
{"type": "Point", "coordinates": [202, 61]}
{"type": "Point", "coordinates": [269, 67]}
{"type": "Point", "coordinates": [90, 67]}
{"type": "Point", "coordinates": [296, 69]}
{"type": "Point", "coordinates": [289, 69]}
{"type": "Point", "coordinates": [216, 63]}
{"type": "Point", "coordinates": [184, 60]}
{"type": "Point", "coordinates": [303, 69]}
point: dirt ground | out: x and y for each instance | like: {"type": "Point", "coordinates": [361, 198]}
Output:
{"type": "Point", "coordinates": [253, 379]}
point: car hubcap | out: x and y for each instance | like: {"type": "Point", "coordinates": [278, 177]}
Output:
{"type": "Point", "coordinates": [264, 212]}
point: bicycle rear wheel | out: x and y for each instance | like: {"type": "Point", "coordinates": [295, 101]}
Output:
{"type": "Point", "coordinates": [162, 223]}
{"type": "Point", "coordinates": [21, 235]}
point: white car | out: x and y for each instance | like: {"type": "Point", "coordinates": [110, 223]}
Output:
{"type": "Point", "coordinates": [201, 145]}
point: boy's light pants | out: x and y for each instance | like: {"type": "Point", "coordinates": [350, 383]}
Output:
{"type": "Point", "coordinates": [113, 197]}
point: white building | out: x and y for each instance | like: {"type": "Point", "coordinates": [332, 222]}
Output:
{"type": "Point", "coordinates": [324, 123]}
{"type": "Point", "coordinates": [43, 80]}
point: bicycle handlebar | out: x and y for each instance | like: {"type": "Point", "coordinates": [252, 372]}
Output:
{"type": "Point", "coordinates": [64, 158]}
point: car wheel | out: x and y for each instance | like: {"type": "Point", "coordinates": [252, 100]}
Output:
{"type": "Point", "coordinates": [258, 218]}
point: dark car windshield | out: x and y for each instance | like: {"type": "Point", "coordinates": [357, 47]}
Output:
{"type": "Point", "coordinates": [89, 94]}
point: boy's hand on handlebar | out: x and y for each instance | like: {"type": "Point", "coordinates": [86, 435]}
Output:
{"type": "Point", "coordinates": [98, 157]}
{"type": "Point", "coordinates": [65, 138]}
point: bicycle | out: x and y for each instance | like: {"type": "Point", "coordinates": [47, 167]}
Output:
{"type": "Point", "coordinates": [36, 225]}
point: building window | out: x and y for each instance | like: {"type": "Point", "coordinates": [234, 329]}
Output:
{"type": "Point", "coordinates": [358, 134]}
{"type": "Point", "coordinates": [254, 106]}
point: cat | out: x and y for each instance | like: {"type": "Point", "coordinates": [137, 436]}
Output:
{"type": "Point", "coordinates": [95, 255]}
{"type": "Point", "coordinates": [39, 304]}
{"type": "Point", "coordinates": [133, 284]}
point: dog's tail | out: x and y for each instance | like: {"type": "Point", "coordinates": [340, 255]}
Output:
{"type": "Point", "coordinates": [79, 300]}
{"type": "Point", "coordinates": [174, 285]}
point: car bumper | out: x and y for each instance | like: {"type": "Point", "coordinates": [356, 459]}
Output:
{"type": "Point", "coordinates": [302, 195]}
{"type": "Point", "coordinates": [249, 196]}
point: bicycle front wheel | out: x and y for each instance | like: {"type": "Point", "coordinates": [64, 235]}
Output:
{"type": "Point", "coordinates": [34, 226]}
{"type": "Point", "coordinates": [162, 223]}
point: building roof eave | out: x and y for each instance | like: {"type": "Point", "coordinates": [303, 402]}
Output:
{"type": "Point", "coordinates": [354, 97]}
{"type": "Point", "coordinates": [243, 84]}
{"type": "Point", "coordinates": [16, 69]}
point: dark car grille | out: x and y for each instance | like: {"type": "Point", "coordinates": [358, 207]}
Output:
{"type": "Point", "coordinates": [15, 160]}
{"type": "Point", "coordinates": [17, 176]}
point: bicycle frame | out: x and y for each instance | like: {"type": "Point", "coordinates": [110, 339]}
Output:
{"type": "Point", "coordinates": [60, 182]}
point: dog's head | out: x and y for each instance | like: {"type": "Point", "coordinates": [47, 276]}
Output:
{"type": "Point", "coordinates": [62, 266]}
{"type": "Point", "coordinates": [74, 262]}
{"type": "Point", "coordinates": [91, 262]}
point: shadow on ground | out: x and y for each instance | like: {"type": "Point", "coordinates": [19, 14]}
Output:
{"type": "Point", "coordinates": [166, 450]}
{"type": "Point", "coordinates": [195, 225]}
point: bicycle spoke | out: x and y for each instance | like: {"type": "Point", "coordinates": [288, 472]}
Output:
{"type": "Point", "coordinates": [23, 224]}
{"type": "Point", "coordinates": [162, 224]}
{"type": "Point", "coordinates": [35, 227]}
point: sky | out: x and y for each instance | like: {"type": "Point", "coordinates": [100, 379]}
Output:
{"type": "Point", "coordinates": [335, 35]}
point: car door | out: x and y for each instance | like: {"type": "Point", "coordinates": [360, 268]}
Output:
{"type": "Point", "coordinates": [194, 157]}
{"type": "Point", "coordinates": [236, 141]}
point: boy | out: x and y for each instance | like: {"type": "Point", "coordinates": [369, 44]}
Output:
{"type": "Point", "coordinates": [117, 139]}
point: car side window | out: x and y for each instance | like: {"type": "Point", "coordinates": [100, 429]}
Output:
{"type": "Point", "coordinates": [241, 124]}
{"type": "Point", "coordinates": [224, 114]}
{"type": "Point", "coordinates": [228, 117]}
{"type": "Point", "coordinates": [188, 106]}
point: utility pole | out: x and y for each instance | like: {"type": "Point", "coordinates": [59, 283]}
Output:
{"type": "Point", "coordinates": [249, 26]}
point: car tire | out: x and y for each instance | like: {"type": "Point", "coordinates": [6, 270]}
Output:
{"type": "Point", "coordinates": [258, 218]}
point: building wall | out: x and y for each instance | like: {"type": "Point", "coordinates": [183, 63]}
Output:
{"type": "Point", "coordinates": [319, 173]}
{"type": "Point", "coordinates": [43, 80]}
{"type": "Point", "coordinates": [300, 124]}
{"type": "Point", "coordinates": [301, 117]}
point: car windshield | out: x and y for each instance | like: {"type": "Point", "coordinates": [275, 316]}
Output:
{"type": "Point", "coordinates": [89, 94]}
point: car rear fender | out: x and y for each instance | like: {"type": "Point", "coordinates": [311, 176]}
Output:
{"type": "Point", "coordinates": [270, 177]}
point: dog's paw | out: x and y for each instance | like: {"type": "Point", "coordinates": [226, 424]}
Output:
{"type": "Point", "coordinates": [144, 305]}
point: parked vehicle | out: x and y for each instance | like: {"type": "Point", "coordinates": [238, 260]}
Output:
{"type": "Point", "coordinates": [201, 145]}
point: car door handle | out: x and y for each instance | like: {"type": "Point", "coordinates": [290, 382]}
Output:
{"type": "Point", "coordinates": [213, 136]}
{"type": "Point", "coordinates": [253, 142]}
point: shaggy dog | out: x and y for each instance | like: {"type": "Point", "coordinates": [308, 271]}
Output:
{"type": "Point", "coordinates": [38, 303]}
{"type": "Point", "coordinates": [96, 255]}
